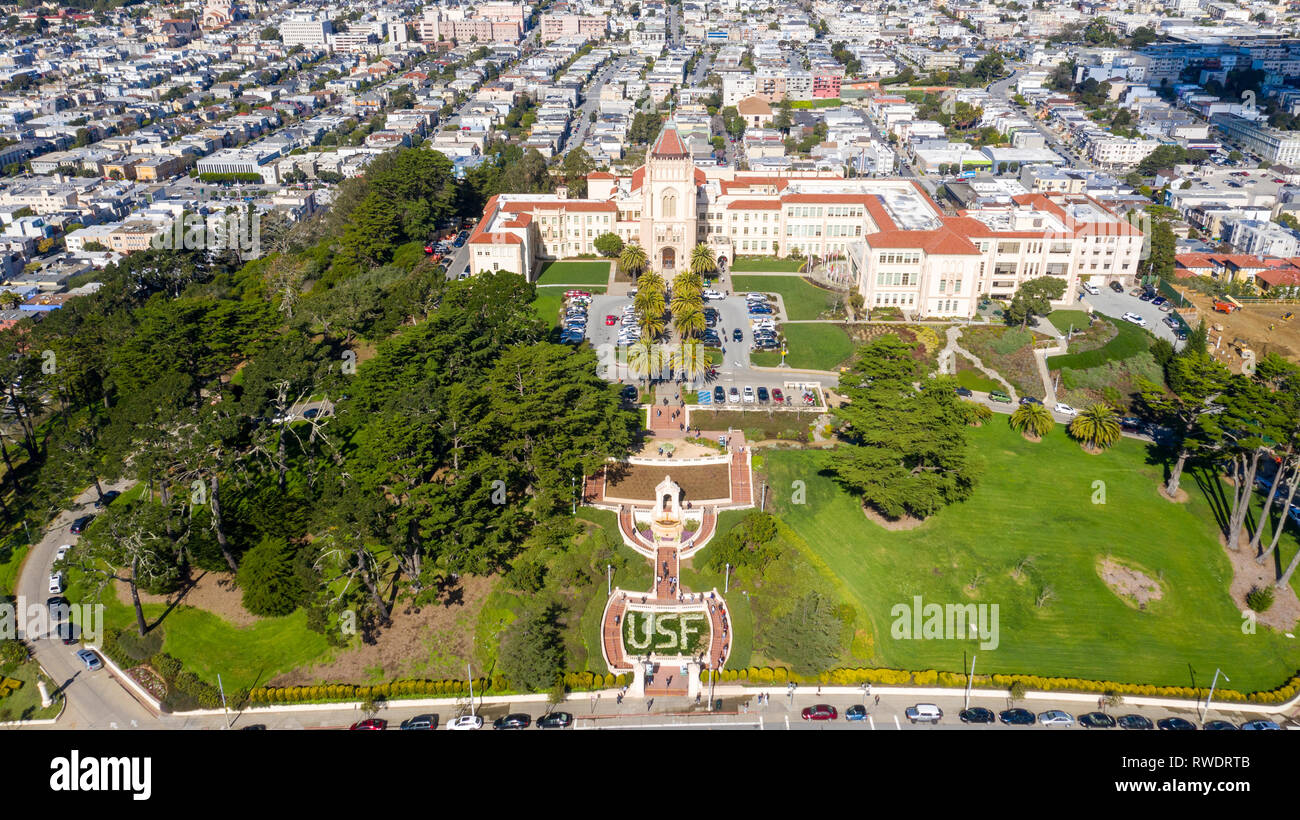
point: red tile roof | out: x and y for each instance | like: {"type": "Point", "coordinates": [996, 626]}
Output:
{"type": "Point", "coordinates": [669, 145]}
{"type": "Point", "coordinates": [942, 242]}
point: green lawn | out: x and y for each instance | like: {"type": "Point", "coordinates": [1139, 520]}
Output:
{"type": "Point", "coordinates": [974, 380]}
{"type": "Point", "coordinates": [25, 702]}
{"type": "Point", "coordinates": [1035, 500]}
{"type": "Point", "coordinates": [802, 300]}
{"type": "Point", "coordinates": [1129, 341]}
{"type": "Point", "coordinates": [575, 273]}
{"type": "Point", "coordinates": [766, 263]}
{"type": "Point", "coordinates": [551, 298]}
{"type": "Point", "coordinates": [1063, 320]}
{"type": "Point", "coordinates": [815, 347]}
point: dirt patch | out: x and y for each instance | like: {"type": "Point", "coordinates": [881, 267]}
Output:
{"type": "Point", "coordinates": [906, 522]}
{"type": "Point", "coordinates": [1180, 497]}
{"type": "Point", "coordinates": [433, 643]}
{"type": "Point", "coordinates": [1260, 326]}
{"type": "Point", "coordinates": [1284, 614]}
{"type": "Point", "coordinates": [1132, 585]}
{"type": "Point", "coordinates": [698, 481]}
{"type": "Point", "coordinates": [213, 592]}
{"type": "Point", "coordinates": [682, 449]}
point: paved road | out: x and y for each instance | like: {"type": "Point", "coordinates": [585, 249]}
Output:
{"type": "Point", "coordinates": [1004, 89]}
{"type": "Point", "coordinates": [95, 700]}
{"type": "Point", "coordinates": [1115, 305]}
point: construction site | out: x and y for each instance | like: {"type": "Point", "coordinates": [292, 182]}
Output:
{"type": "Point", "coordinates": [1251, 330]}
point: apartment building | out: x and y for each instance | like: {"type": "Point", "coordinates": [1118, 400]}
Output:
{"type": "Point", "coordinates": [555, 26]}
{"type": "Point", "coordinates": [309, 31]}
{"type": "Point", "coordinates": [1258, 138]}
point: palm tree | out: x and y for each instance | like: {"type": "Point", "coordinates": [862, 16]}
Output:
{"type": "Point", "coordinates": [1096, 427]}
{"type": "Point", "coordinates": [691, 360]}
{"type": "Point", "coordinates": [688, 319]}
{"type": "Point", "coordinates": [687, 283]}
{"type": "Point", "coordinates": [1032, 420]}
{"type": "Point", "coordinates": [652, 322]}
{"type": "Point", "coordinates": [644, 360]}
{"type": "Point", "coordinates": [702, 260]}
{"type": "Point", "coordinates": [976, 414]}
{"type": "Point", "coordinates": [633, 260]}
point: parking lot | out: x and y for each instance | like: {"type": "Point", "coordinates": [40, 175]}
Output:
{"type": "Point", "coordinates": [1115, 305]}
{"type": "Point", "coordinates": [735, 370]}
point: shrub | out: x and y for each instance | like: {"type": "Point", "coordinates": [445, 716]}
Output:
{"type": "Point", "coordinates": [1260, 598]}
{"type": "Point", "coordinates": [271, 586]}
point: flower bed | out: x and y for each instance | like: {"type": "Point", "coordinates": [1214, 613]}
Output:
{"type": "Point", "coordinates": [665, 633]}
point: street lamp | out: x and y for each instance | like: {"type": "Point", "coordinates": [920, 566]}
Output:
{"type": "Point", "coordinates": [726, 580]}
{"type": "Point", "coordinates": [1215, 682]}
{"type": "Point", "coordinates": [609, 580]}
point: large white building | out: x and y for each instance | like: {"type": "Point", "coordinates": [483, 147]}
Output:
{"type": "Point", "coordinates": [902, 250]}
{"type": "Point", "coordinates": [307, 30]}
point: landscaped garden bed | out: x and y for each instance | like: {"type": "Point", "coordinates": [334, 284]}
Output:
{"type": "Point", "coordinates": [665, 633]}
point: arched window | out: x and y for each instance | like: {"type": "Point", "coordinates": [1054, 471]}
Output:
{"type": "Point", "coordinates": [670, 205]}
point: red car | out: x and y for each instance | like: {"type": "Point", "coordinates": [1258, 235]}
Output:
{"type": "Point", "coordinates": [371, 724]}
{"type": "Point", "coordinates": [777, 395]}
{"type": "Point", "coordinates": [611, 319]}
{"type": "Point", "coordinates": [820, 712]}
{"type": "Point", "coordinates": [573, 294]}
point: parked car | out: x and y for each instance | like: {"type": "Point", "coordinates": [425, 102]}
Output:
{"type": "Point", "coordinates": [749, 394]}
{"type": "Point", "coordinates": [465, 722]}
{"type": "Point", "coordinates": [79, 526]}
{"type": "Point", "coordinates": [1130, 423]}
{"type": "Point", "coordinates": [56, 583]}
{"type": "Point", "coordinates": [924, 713]}
{"type": "Point", "coordinates": [733, 396]}
{"type": "Point", "coordinates": [611, 320]}
{"type": "Point", "coordinates": [856, 712]}
{"type": "Point", "coordinates": [819, 712]}
{"type": "Point", "coordinates": [778, 396]}
{"type": "Point", "coordinates": [1146, 296]}
{"type": "Point", "coordinates": [1158, 300]}
{"type": "Point", "coordinates": [420, 722]}
{"type": "Point", "coordinates": [1260, 726]}
{"type": "Point", "coordinates": [1176, 724]}
{"type": "Point", "coordinates": [1097, 720]}
{"type": "Point", "coordinates": [515, 720]}
{"type": "Point", "coordinates": [976, 714]}
{"type": "Point", "coordinates": [61, 551]}
{"type": "Point", "coordinates": [1220, 726]}
{"type": "Point", "coordinates": [1017, 717]}
{"type": "Point", "coordinates": [762, 394]}
{"type": "Point", "coordinates": [1134, 722]}
{"type": "Point", "coordinates": [737, 335]}
{"type": "Point", "coordinates": [1064, 409]}
{"type": "Point", "coordinates": [1117, 287]}
{"type": "Point", "coordinates": [1135, 319]}
{"type": "Point", "coordinates": [555, 720]}
{"type": "Point", "coordinates": [998, 395]}
{"type": "Point", "coordinates": [1090, 289]}
{"type": "Point", "coordinates": [719, 395]}
{"type": "Point", "coordinates": [369, 724]}
{"type": "Point", "coordinates": [89, 659]}
{"type": "Point", "coordinates": [70, 633]}
{"type": "Point", "coordinates": [1030, 400]}
{"type": "Point", "coordinates": [108, 498]}
{"type": "Point", "coordinates": [1056, 717]}
{"type": "Point", "coordinates": [963, 391]}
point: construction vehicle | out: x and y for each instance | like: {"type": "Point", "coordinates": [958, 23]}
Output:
{"type": "Point", "coordinates": [1226, 305]}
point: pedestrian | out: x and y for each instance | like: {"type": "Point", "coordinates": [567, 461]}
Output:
{"type": "Point", "coordinates": [681, 427]}
{"type": "Point", "coordinates": [649, 704]}
{"type": "Point", "coordinates": [877, 700]}
{"type": "Point", "coordinates": [819, 690]}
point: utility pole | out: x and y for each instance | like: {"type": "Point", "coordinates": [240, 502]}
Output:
{"type": "Point", "coordinates": [609, 580]}
{"type": "Point", "coordinates": [1217, 672]}
{"type": "Point", "coordinates": [469, 673]}
{"type": "Point", "coordinates": [726, 580]}
{"type": "Point", "coordinates": [222, 690]}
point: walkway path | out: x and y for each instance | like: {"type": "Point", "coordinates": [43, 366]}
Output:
{"type": "Point", "coordinates": [948, 361]}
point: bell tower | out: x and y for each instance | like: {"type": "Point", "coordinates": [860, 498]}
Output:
{"type": "Point", "coordinates": [669, 208]}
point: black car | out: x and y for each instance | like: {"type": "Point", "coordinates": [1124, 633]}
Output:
{"type": "Point", "coordinates": [57, 606]}
{"type": "Point", "coordinates": [737, 335]}
{"type": "Point", "coordinates": [107, 499]}
{"type": "Point", "coordinates": [1017, 717]}
{"type": "Point", "coordinates": [555, 720]}
{"type": "Point", "coordinates": [1097, 720]}
{"type": "Point", "coordinates": [963, 391]}
{"type": "Point", "coordinates": [425, 722]}
{"type": "Point", "coordinates": [1220, 726]}
{"type": "Point", "coordinates": [79, 526]}
{"type": "Point", "coordinates": [762, 394]}
{"type": "Point", "coordinates": [68, 632]}
{"type": "Point", "coordinates": [1030, 400]}
{"type": "Point", "coordinates": [719, 396]}
{"type": "Point", "coordinates": [517, 720]}
{"type": "Point", "coordinates": [1134, 722]}
{"type": "Point", "coordinates": [629, 393]}
{"type": "Point", "coordinates": [1117, 287]}
{"type": "Point", "coordinates": [1176, 724]}
{"type": "Point", "coordinates": [1131, 423]}
{"type": "Point", "coordinates": [976, 714]}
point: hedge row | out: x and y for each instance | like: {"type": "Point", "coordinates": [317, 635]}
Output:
{"type": "Point", "coordinates": [344, 692]}
{"type": "Point", "coordinates": [930, 677]}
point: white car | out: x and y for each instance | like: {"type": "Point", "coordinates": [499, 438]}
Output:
{"type": "Point", "coordinates": [1055, 717]}
{"type": "Point", "coordinates": [749, 395]}
{"type": "Point", "coordinates": [56, 583]}
{"type": "Point", "coordinates": [1064, 409]}
{"type": "Point", "coordinates": [61, 551]}
{"type": "Point", "coordinates": [733, 396]}
{"type": "Point", "coordinates": [712, 294]}
{"type": "Point", "coordinates": [465, 722]}
{"type": "Point", "coordinates": [1135, 319]}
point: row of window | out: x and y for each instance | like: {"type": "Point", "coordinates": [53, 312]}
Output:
{"type": "Point", "coordinates": [900, 258]}
{"type": "Point", "coordinates": [901, 299]}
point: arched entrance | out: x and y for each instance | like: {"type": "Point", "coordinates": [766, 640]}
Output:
{"type": "Point", "coordinates": [669, 258]}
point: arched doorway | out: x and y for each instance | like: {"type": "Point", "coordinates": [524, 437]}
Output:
{"type": "Point", "coordinates": [669, 258]}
